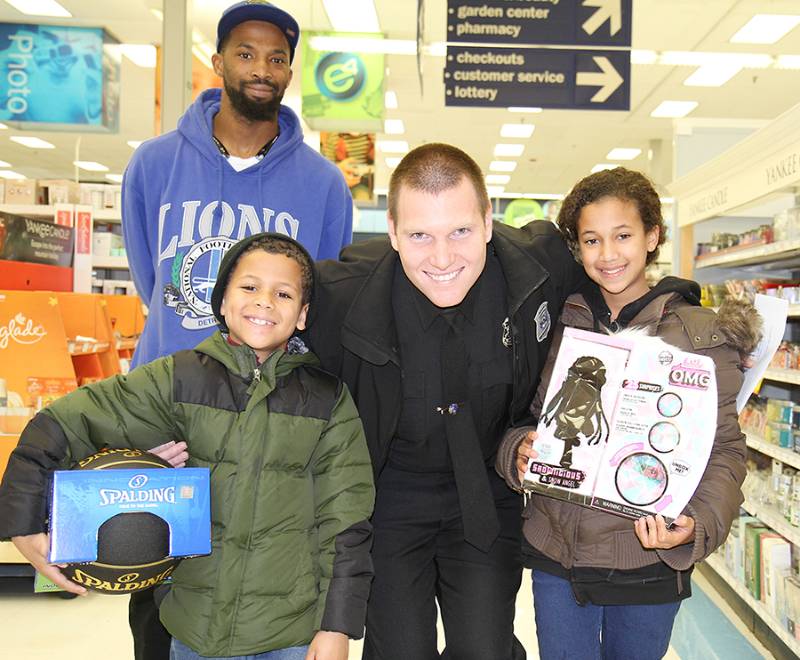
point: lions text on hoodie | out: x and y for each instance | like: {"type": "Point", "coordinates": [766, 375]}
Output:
{"type": "Point", "coordinates": [184, 205]}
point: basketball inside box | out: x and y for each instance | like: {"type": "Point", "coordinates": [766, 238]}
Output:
{"type": "Point", "coordinates": [83, 500]}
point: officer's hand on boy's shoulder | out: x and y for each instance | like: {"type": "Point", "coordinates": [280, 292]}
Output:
{"type": "Point", "coordinates": [34, 548]}
{"type": "Point", "coordinates": [653, 533]}
{"type": "Point", "coordinates": [328, 646]}
{"type": "Point", "coordinates": [175, 453]}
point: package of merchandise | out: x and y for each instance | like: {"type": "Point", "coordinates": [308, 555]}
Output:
{"type": "Point", "coordinates": [791, 590]}
{"type": "Point", "coordinates": [60, 191]}
{"type": "Point", "coordinates": [83, 500]}
{"type": "Point", "coordinates": [737, 543]}
{"type": "Point", "coordinates": [104, 243]}
{"type": "Point", "coordinates": [627, 425]}
{"type": "Point", "coordinates": [23, 191]}
{"type": "Point", "coordinates": [752, 556]}
{"type": "Point", "coordinates": [776, 560]}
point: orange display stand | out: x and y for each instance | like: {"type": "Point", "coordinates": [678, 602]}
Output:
{"type": "Point", "coordinates": [50, 342]}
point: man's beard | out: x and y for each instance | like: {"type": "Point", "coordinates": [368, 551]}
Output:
{"type": "Point", "coordinates": [266, 110]}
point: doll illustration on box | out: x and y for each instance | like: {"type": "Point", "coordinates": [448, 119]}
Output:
{"type": "Point", "coordinates": [577, 408]}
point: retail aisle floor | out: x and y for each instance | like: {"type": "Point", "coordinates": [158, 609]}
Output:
{"type": "Point", "coordinates": [95, 628]}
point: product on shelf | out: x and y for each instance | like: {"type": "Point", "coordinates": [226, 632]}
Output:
{"type": "Point", "coordinates": [725, 241]}
{"type": "Point", "coordinates": [786, 224]}
{"type": "Point", "coordinates": [712, 295]}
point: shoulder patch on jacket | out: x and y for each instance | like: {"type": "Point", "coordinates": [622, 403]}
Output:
{"type": "Point", "coordinates": [190, 382]}
{"type": "Point", "coordinates": [305, 392]}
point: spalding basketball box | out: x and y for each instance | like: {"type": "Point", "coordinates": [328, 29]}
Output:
{"type": "Point", "coordinates": [88, 518]}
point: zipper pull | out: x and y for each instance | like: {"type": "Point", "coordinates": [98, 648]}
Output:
{"type": "Point", "coordinates": [257, 375]}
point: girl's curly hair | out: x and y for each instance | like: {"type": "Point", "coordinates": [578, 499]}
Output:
{"type": "Point", "coordinates": [622, 183]}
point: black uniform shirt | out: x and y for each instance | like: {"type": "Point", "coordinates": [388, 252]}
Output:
{"type": "Point", "coordinates": [420, 444]}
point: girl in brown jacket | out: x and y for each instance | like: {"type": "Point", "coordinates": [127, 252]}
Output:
{"type": "Point", "coordinates": [605, 586]}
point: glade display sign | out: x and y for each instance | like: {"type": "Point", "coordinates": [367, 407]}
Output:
{"type": "Point", "coordinates": [34, 241]}
{"type": "Point", "coordinates": [59, 76]}
{"type": "Point", "coordinates": [342, 90]}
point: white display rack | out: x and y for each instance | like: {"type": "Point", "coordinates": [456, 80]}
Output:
{"type": "Point", "coordinates": [716, 563]}
{"type": "Point", "coordinates": [791, 376]}
{"type": "Point", "coordinates": [748, 180]}
{"type": "Point", "coordinates": [110, 262]}
{"type": "Point", "coordinates": [36, 210]}
{"type": "Point", "coordinates": [785, 456]}
{"type": "Point", "coordinates": [773, 519]}
{"type": "Point", "coordinates": [758, 254]}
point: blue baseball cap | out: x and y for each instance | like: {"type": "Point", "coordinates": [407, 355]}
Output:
{"type": "Point", "coordinates": [259, 10]}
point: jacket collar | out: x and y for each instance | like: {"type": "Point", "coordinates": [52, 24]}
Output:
{"type": "Point", "coordinates": [523, 272]}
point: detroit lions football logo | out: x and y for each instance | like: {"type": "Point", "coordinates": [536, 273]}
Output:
{"type": "Point", "coordinates": [193, 278]}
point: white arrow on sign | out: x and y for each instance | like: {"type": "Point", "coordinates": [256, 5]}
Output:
{"type": "Point", "coordinates": [608, 80]}
{"type": "Point", "coordinates": [606, 10]}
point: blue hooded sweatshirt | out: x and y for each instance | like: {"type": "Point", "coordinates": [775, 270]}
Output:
{"type": "Point", "coordinates": [183, 206]}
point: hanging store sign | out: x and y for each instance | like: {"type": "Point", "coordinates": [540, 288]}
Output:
{"type": "Point", "coordinates": [59, 76]}
{"type": "Point", "coordinates": [545, 78]}
{"type": "Point", "coordinates": [540, 22]}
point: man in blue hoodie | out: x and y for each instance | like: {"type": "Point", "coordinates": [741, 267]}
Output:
{"type": "Point", "coordinates": [237, 165]}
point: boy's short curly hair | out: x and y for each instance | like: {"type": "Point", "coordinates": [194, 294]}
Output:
{"type": "Point", "coordinates": [621, 183]}
{"type": "Point", "coordinates": [274, 245]}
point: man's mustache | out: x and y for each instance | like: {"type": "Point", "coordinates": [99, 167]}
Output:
{"type": "Point", "coordinates": [265, 81]}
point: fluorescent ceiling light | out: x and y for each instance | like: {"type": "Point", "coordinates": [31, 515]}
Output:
{"type": "Point", "coordinates": [4, 164]}
{"type": "Point", "coordinates": [603, 166]}
{"type": "Point", "coordinates": [31, 142]}
{"type": "Point", "coordinates": [393, 146]}
{"type": "Point", "coordinates": [532, 111]}
{"type": "Point", "coordinates": [90, 165]}
{"type": "Point", "coordinates": [393, 161]}
{"type": "Point", "coordinates": [787, 62]}
{"type": "Point", "coordinates": [40, 8]}
{"type": "Point", "coordinates": [712, 75]}
{"type": "Point", "coordinates": [394, 127]}
{"type": "Point", "coordinates": [623, 153]}
{"type": "Point", "coordinates": [644, 57]}
{"type": "Point", "coordinates": [134, 144]}
{"type": "Point", "coordinates": [390, 100]}
{"type": "Point", "coordinates": [508, 150]}
{"type": "Point", "coordinates": [157, 13]}
{"type": "Point", "coordinates": [200, 54]}
{"type": "Point", "coordinates": [436, 49]}
{"type": "Point", "coordinates": [116, 178]}
{"type": "Point", "coordinates": [498, 179]}
{"type": "Point", "coordinates": [352, 15]}
{"type": "Point", "coordinates": [143, 55]}
{"type": "Point", "coordinates": [765, 29]}
{"type": "Point", "coordinates": [516, 130]}
{"type": "Point", "coordinates": [674, 109]}
{"type": "Point", "coordinates": [695, 58]}
{"type": "Point", "coordinates": [8, 174]}
{"type": "Point", "coordinates": [502, 166]}
{"type": "Point", "coordinates": [366, 45]}
{"type": "Point", "coordinates": [494, 191]}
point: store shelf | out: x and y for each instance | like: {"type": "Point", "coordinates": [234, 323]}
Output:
{"type": "Point", "coordinates": [87, 347]}
{"type": "Point", "coordinates": [791, 376]}
{"type": "Point", "coordinates": [129, 343]}
{"type": "Point", "coordinates": [107, 215]}
{"type": "Point", "coordinates": [773, 518]}
{"type": "Point", "coordinates": [38, 210]}
{"type": "Point", "coordinates": [716, 563]}
{"type": "Point", "coordinates": [110, 262]}
{"type": "Point", "coordinates": [786, 456]}
{"type": "Point", "coordinates": [10, 555]}
{"type": "Point", "coordinates": [778, 253]}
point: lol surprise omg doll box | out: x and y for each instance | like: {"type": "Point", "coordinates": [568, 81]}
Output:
{"type": "Point", "coordinates": [627, 425]}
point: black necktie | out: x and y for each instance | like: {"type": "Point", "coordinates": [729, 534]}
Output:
{"type": "Point", "coordinates": [478, 512]}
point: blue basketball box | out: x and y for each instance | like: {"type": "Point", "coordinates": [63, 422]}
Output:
{"type": "Point", "coordinates": [82, 500]}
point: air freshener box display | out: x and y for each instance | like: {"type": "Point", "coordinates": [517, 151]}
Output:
{"type": "Point", "coordinates": [627, 425]}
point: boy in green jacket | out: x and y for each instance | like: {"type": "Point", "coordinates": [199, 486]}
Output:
{"type": "Point", "coordinates": [291, 479]}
